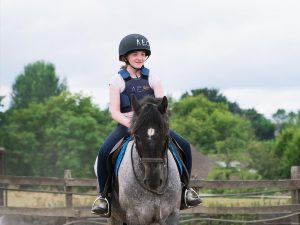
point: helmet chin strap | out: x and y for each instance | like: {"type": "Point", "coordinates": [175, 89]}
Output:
{"type": "Point", "coordinates": [135, 68]}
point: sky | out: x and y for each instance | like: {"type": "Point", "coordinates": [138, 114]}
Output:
{"type": "Point", "coordinates": [249, 50]}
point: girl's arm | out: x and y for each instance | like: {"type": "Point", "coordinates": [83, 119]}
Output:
{"type": "Point", "coordinates": [114, 106]}
{"type": "Point", "coordinates": [156, 84]}
{"type": "Point", "coordinates": [158, 90]}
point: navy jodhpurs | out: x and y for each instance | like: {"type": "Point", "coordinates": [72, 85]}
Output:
{"type": "Point", "coordinates": [121, 131]}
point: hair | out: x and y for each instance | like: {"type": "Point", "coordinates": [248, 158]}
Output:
{"type": "Point", "coordinates": [123, 66]}
{"type": "Point", "coordinates": [124, 59]}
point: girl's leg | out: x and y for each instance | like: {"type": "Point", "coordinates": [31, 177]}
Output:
{"type": "Point", "coordinates": [119, 132]}
{"type": "Point", "coordinates": [189, 197]}
{"type": "Point", "coordinates": [186, 147]}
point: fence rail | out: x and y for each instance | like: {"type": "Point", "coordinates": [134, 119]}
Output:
{"type": "Point", "coordinates": [69, 183]}
{"type": "Point", "coordinates": [85, 211]}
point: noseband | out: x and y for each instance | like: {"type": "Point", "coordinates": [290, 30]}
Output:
{"type": "Point", "coordinates": [152, 160]}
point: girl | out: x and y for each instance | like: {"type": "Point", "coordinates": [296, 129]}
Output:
{"type": "Point", "coordinates": [133, 78]}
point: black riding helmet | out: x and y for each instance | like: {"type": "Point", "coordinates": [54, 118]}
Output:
{"type": "Point", "coordinates": [134, 42]}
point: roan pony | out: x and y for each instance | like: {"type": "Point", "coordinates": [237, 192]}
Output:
{"type": "Point", "coordinates": [147, 189]}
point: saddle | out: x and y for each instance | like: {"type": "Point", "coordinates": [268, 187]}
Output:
{"type": "Point", "coordinates": [111, 161]}
{"type": "Point", "coordinates": [116, 155]}
{"type": "Point", "coordinates": [181, 159]}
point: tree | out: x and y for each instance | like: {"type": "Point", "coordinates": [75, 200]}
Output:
{"type": "Point", "coordinates": [258, 152]}
{"type": "Point", "coordinates": [2, 119]}
{"type": "Point", "coordinates": [190, 119]}
{"type": "Point", "coordinates": [65, 132]}
{"type": "Point", "coordinates": [264, 128]}
{"type": "Point", "coordinates": [214, 95]}
{"type": "Point", "coordinates": [1, 99]}
{"type": "Point", "coordinates": [280, 116]}
{"type": "Point", "coordinates": [288, 149]}
{"type": "Point", "coordinates": [36, 84]}
{"type": "Point", "coordinates": [214, 130]}
{"type": "Point", "coordinates": [234, 134]}
{"type": "Point", "coordinates": [206, 124]}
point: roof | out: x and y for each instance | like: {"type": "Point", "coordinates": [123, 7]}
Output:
{"type": "Point", "coordinates": [202, 164]}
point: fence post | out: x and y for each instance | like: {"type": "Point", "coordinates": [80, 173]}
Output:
{"type": "Point", "coordinates": [69, 201]}
{"type": "Point", "coordinates": [295, 194]}
{"type": "Point", "coordinates": [2, 172]}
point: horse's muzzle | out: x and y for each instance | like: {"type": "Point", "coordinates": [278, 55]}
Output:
{"type": "Point", "coordinates": [154, 173]}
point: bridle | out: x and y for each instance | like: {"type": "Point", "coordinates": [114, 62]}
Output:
{"type": "Point", "coordinates": [143, 160]}
{"type": "Point", "coordinates": [153, 160]}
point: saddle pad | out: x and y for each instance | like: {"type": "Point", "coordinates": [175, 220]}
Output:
{"type": "Point", "coordinates": [121, 155]}
{"type": "Point", "coordinates": [177, 158]}
{"type": "Point", "coordinates": [124, 147]}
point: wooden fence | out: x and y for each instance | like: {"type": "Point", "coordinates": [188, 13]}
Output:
{"type": "Point", "coordinates": [69, 183]}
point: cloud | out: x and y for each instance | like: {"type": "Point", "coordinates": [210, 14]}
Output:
{"type": "Point", "coordinates": [229, 45]}
{"type": "Point", "coordinates": [265, 101]}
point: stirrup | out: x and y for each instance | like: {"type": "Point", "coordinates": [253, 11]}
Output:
{"type": "Point", "coordinates": [100, 198]}
{"type": "Point", "coordinates": [185, 196]}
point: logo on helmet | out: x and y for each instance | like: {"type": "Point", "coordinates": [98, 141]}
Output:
{"type": "Point", "coordinates": [142, 42]}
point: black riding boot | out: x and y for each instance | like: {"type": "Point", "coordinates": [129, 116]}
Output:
{"type": "Point", "coordinates": [189, 198]}
{"type": "Point", "coordinates": [102, 208]}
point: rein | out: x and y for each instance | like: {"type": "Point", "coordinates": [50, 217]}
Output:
{"type": "Point", "coordinates": [150, 160]}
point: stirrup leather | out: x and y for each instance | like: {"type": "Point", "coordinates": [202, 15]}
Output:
{"type": "Point", "coordinates": [100, 198]}
{"type": "Point", "coordinates": [185, 196]}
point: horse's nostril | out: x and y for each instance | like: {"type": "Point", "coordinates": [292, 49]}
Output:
{"type": "Point", "coordinates": [160, 182]}
{"type": "Point", "coordinates": [145, 181]}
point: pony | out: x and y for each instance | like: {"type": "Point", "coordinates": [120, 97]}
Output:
{"type": "Point", "coordinates": [147, 189]}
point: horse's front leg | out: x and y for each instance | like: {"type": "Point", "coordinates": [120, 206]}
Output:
{"type": "Point", "coordinates": [173, 219]}
{"type": "Point", "coordinates": [114, 221]}
{"type": "Point", "coordinates": [162, 222]}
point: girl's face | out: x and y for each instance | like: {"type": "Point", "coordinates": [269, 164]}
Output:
{"type": "Point", "coordinates": [137, 58]}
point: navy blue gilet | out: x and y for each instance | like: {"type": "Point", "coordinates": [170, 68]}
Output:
{"type": "Point", "coordinates": [134, 86]}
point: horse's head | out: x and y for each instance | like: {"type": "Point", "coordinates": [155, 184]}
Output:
{"type": "Point", "coordinates": [150, 129]}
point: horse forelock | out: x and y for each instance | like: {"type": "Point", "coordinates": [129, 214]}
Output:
{"type": "Point", "coordinates": [149, 115]}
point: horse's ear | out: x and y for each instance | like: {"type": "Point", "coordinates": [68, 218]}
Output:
{"type": "Point", "coordinates": [135, 104]}
{"type": "Point", "coordinates": [162, 107]}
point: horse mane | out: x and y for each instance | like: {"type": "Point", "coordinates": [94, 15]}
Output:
{"type": "Point", "coordinates": [149, 114]}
